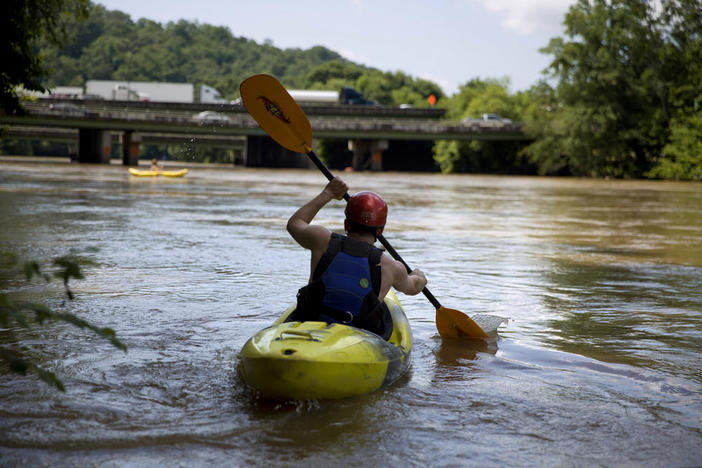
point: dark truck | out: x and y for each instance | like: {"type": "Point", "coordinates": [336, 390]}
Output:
{"type": "Point", "coordinates": [351, 96]}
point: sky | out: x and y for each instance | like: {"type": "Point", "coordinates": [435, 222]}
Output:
{"type": "Point", "coordinates": [446, 41]}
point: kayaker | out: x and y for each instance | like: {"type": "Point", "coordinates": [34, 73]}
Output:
{"type": "Point", "coordinates": [154, 165]}
{"type": "Point", "coordinates": [349, 276]}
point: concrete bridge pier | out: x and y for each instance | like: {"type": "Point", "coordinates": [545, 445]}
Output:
{"type": "Point", "coordinates": [130, 148]}
{"type": "Point", "coordinates": [241, 158]}
{"type": "Point", "coordinates": [367, 154]}
{"type": "Point", "coordinates": [262, 151]}
{"type": "Point", "coordinates": [94, 146]}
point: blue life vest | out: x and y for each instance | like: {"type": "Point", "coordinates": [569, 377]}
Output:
{"type": "Point", "coordinates": [345, 287]}
{"type": "Point", "coordinates": [347, 281]}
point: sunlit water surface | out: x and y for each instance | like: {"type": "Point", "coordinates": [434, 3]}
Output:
{"type": "Point", "coordinates": [599, 364]}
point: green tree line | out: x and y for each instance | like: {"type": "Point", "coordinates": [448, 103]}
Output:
{"type": "Point", "coordinates": [622, 98]}
{"type": "Point", "coordinates": [109, 45]}
{"type": "Point", "coordinates": [627, 93]}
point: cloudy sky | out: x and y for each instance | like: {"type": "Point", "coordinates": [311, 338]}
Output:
{"type": "Point", "coordinates": [446, 41]}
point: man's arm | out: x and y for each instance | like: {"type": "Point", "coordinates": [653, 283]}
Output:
{"type": "Point", "coordinates": [411, 283]}
{"type": "Point", "coordinates": [299, 227]}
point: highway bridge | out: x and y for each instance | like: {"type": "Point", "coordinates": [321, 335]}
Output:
{"type": "Point", "coordinates": [94, 124]}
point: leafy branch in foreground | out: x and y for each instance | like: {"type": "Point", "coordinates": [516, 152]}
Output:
{"type": "Point", "coordinates": [17, 313]}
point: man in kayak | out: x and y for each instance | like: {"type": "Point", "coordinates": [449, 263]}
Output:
{"type": "Point", "coordinates": [154, 165]}
{"type": "Point", "coordinates": [349, 276]}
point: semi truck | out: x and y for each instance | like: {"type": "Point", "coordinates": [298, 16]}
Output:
{"type": "Point", "coordinates": [345, 96]}
{"type": "Point", "coordinates": [351, 96]}
{"type": "Point", "coordinates": [208, 94]}
{"type": "Point", "coordinates": [308, 96]}
{"type": "Point", "coordinates": [151, 91]}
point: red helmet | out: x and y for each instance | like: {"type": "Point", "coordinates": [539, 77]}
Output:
{"type": "Point", "coordinates": [367, 209]}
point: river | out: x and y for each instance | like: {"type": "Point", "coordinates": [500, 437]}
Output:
{"type": "Point", "coordinates": [599, 364]}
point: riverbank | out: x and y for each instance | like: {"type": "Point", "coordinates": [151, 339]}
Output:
{"type": "Point", "coordinates": [173, 164]}
{"type": "Point", "coordinates": [113, 162]}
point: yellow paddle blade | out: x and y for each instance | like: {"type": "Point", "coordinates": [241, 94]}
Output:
{"type": "Point", "coordinates": [453, 323]}
{"type": "Point", "coordinates": [277, 113]}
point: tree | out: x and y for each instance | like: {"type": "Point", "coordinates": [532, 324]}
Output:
{"type": "Point", "coordinates": [618, 72]}
{"type": "Point", "coordinates": [393, 89]}
{"type": "Point", "coordinates": [386, 88]}
{"type": "Point", "coordinates": [474, 98]}
{"type": "Point", "coordinates": [682, 157]}
{"type": "Point", "coordinates": [19, 313]}
{"type": "Point", "coordinates": [479, 96]}
{"type": "Point", "coordinates": [109, 45]}
{"type": "Point", "coordinates": [22, 24]}
{"type": "Point", "coordinates": [457, 105]}
{"type": "Point", "coordinates": [330, 74]}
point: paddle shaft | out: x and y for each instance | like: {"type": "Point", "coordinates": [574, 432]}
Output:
{"type": "Point", "coordinates": [322, 167]}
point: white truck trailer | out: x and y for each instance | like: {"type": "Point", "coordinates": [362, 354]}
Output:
{"type": "Point", "coordinates": [140, 91]}
{"type": "Point", "coordinates": [308, 96]}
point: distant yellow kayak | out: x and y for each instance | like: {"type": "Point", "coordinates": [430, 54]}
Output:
{"type": "Point", "coordinates": [138, 173]}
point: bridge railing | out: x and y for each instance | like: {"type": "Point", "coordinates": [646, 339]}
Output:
{"type": "Point", "coordinates": [162, 117]}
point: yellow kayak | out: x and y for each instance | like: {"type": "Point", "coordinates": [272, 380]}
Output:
{"type": "Point", "coordinates": [319, 360]}
{"type": "Point", "coordinates": [140, 173]}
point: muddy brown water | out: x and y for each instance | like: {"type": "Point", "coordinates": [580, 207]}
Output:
{"type": "Point", "coordinates": [599, 365]}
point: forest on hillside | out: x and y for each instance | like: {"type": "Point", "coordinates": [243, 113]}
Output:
{"type": "Point", "coordinates": [109, 45]}
{"type": "Point", "coordinates": [623, 96]}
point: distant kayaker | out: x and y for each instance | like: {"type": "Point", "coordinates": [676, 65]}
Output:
{"type": "Point", "coordinates": [154, 165]}
{"type": "Point", "coordinates": [349, 276]}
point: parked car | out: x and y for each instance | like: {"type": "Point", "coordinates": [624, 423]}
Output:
{"type": "Point", "coordinates": [211, 117]}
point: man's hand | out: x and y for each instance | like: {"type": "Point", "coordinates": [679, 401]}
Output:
{"type": "Point", "coordinates": [336, 188]}
{"type": "Point", "coordinates": [420, 280]}
{"type": "Point", "coordinates": [411, 284]}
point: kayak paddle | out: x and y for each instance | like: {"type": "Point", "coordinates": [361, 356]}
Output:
{"type": "Point", "coordinates": [281, 117]}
